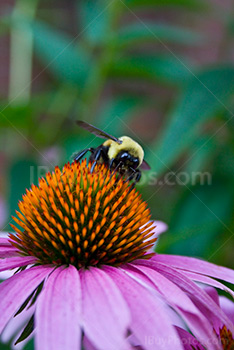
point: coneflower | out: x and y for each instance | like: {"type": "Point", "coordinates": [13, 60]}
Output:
{"type": "Point", "coordinates": [83, 247]}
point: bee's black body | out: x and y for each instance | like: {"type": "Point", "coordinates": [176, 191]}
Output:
{"type": "Point", "coordinates": [124, 163]}
{"type": "Point", "coordinates": [122, 155]}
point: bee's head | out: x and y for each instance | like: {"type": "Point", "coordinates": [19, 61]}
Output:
{"type": "Point", "coordinates": [128, 160]}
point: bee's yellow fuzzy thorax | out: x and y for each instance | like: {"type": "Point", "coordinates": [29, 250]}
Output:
{"type": "Point", "coordinates": [127, 145]}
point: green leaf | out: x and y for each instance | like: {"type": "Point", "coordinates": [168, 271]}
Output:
{"type": "Point", "coordinates": [95, 20]}
{"type": "Point", "coordinates": [5, 24]}
{"type": "Point", "coordinates": [61, 54]}
{"type": "Point", "coordinates": [29, 345]}
{"type": "Point", "coordinates": [24, 305]}
{"type": "Point", "coordinates": [198, 218]}
{"type": "Point", "coordinates": [224, 162]}
{"type": "Point", "coordinates": [231, 27]}
{"type": "Point", "coordinates": [117, 113]}
{"type": "Point", "coordinates": [19, 116]}
{"type": "Point", "coordinates": [206, 94]}
{"type": "Point", "coordinates": [5, 346]}
{"type": "Point", "coordinates": [200, 154]}
{"type": "Point", "coordinates": [191, 4]}
{"type": "Point", "coordinates": [153, 68]}
{"type": "Point", "coordinates": [27, 330]}
{"type": "Point", "coordinates": [138, 33]}
{"type": "Point", "coordinates": [22, 173]}
{"type": "Point", "coordinates": [75, 143]}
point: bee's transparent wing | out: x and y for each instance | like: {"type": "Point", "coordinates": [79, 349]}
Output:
{"type": "Point", "coordinates": [98, 132]}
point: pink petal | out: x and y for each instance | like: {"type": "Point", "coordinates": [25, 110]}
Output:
{"type": "Point", "coordinates": [14, 328]}
{"type": "Point", "coordinates": [193, 290]}
{"type": "Point", "coordinates": [4, 242]}
{"type": "Point", "coordinates": [7, 274]}
{"type": "Point", "coordinates": [150, 324]}
{"type": "Point", "coordinates": [160, 227]}
{"type": "Point", "coordinates": [207, 280]}
{"type": "Point", "coordinates": [180, 301]}
{"type": "Point", "coordinates": [105, 313]}
{"type": "Point", "coordinates": [17, 288]}
{"type": "Point", "coordinates": [212, 292]}
{"type": "Point", "coordinates": [58, 312]}
{"type": "Point", "coordinates": [188, 340]}
{"type": "Point", "coordinates": [227, 306]}
{"type": "Point", "coordinates": [8, 252]}
{"type": "Point", "coordinates": [11, 263]}
{"type": "Point", "coordinates": [196, 265]}
{"type": "Point", "coordinates": [3, 211]}
{"type": "Point", "coordinates": [87, 345]}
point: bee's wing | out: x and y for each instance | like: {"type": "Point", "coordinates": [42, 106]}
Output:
{"type": "Point", "coordinates": [144, 165]}
{"type": "Point", "coordinates": [98, 132]}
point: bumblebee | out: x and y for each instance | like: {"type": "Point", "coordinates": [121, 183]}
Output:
{"type": "Point", "coordinates": [122, 154]}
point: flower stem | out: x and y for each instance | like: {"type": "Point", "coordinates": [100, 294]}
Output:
{"type": "Point", "coordinates": [21, 52]}
{"type": "Point", "coordinates": [99, 72]}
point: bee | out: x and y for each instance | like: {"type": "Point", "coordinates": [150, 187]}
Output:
{"type": "Point", "coordinates": [122, 154]}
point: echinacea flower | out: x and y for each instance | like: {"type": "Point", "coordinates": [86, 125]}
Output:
{"type": "Point", "coordinates": [83, 247]}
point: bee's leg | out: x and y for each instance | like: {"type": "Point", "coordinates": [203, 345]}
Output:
{"type": "Point", "coordinates": [135, 175]}
{"type": "Point", "coordinates": [97, 156]}
{"type": "Point", "coordinates": [111, 163]}
{"type": "Point", "coordinates": [81, 154]}
{"type": "Point", "coordinates": [138, 176]}
{"type": "Point", "coordinates": [115, 170]}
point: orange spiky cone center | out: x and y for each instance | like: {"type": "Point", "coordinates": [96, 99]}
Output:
{"type": "Point", "coordinates": [226, 338]}
{"type": "Point", "coordinates": [77, 217]}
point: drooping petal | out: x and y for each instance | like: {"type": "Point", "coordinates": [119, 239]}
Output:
{"type": "Point", "coordinates": [7, 274]}
{"type": "Point", "coordinates": [14, 328]}
{"type": "Point", "coordinates": [4, 242]}
{"type": "Point", "coordinates": [212, 292]}
{"type": "Point", "coordinates": [17, 288]}
{"type": "Point", "coordinates": [196, 265]}
{"type": "Point", "coordinates": [58, 311]}
{"type": "Point", "coordinates": [227, 306]}
{"type": "Point", "coordinates": [8, 252]}
{"type": "Point", "coordinates": [106, 315]}
{"type": "Point", "coordinates": [11, 263]}
{"type": "Point", "coordinates": [87, 345]}
{"type": "Point", "coordinates": [188, 340]}
{"type": "Point", "coordinates": [150, 324]}
{"type": "Point", "coordinates": [207, 280]}
{"type": "Point", "coordinates": [193, 290]}
{"type": "Point", "coordinates": [180, 301]}
{"type": "Point", "coordinates": [160, 227]}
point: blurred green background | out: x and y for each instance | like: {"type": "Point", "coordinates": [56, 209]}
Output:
{"type": "Point", "coordinates": [159, 71]}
